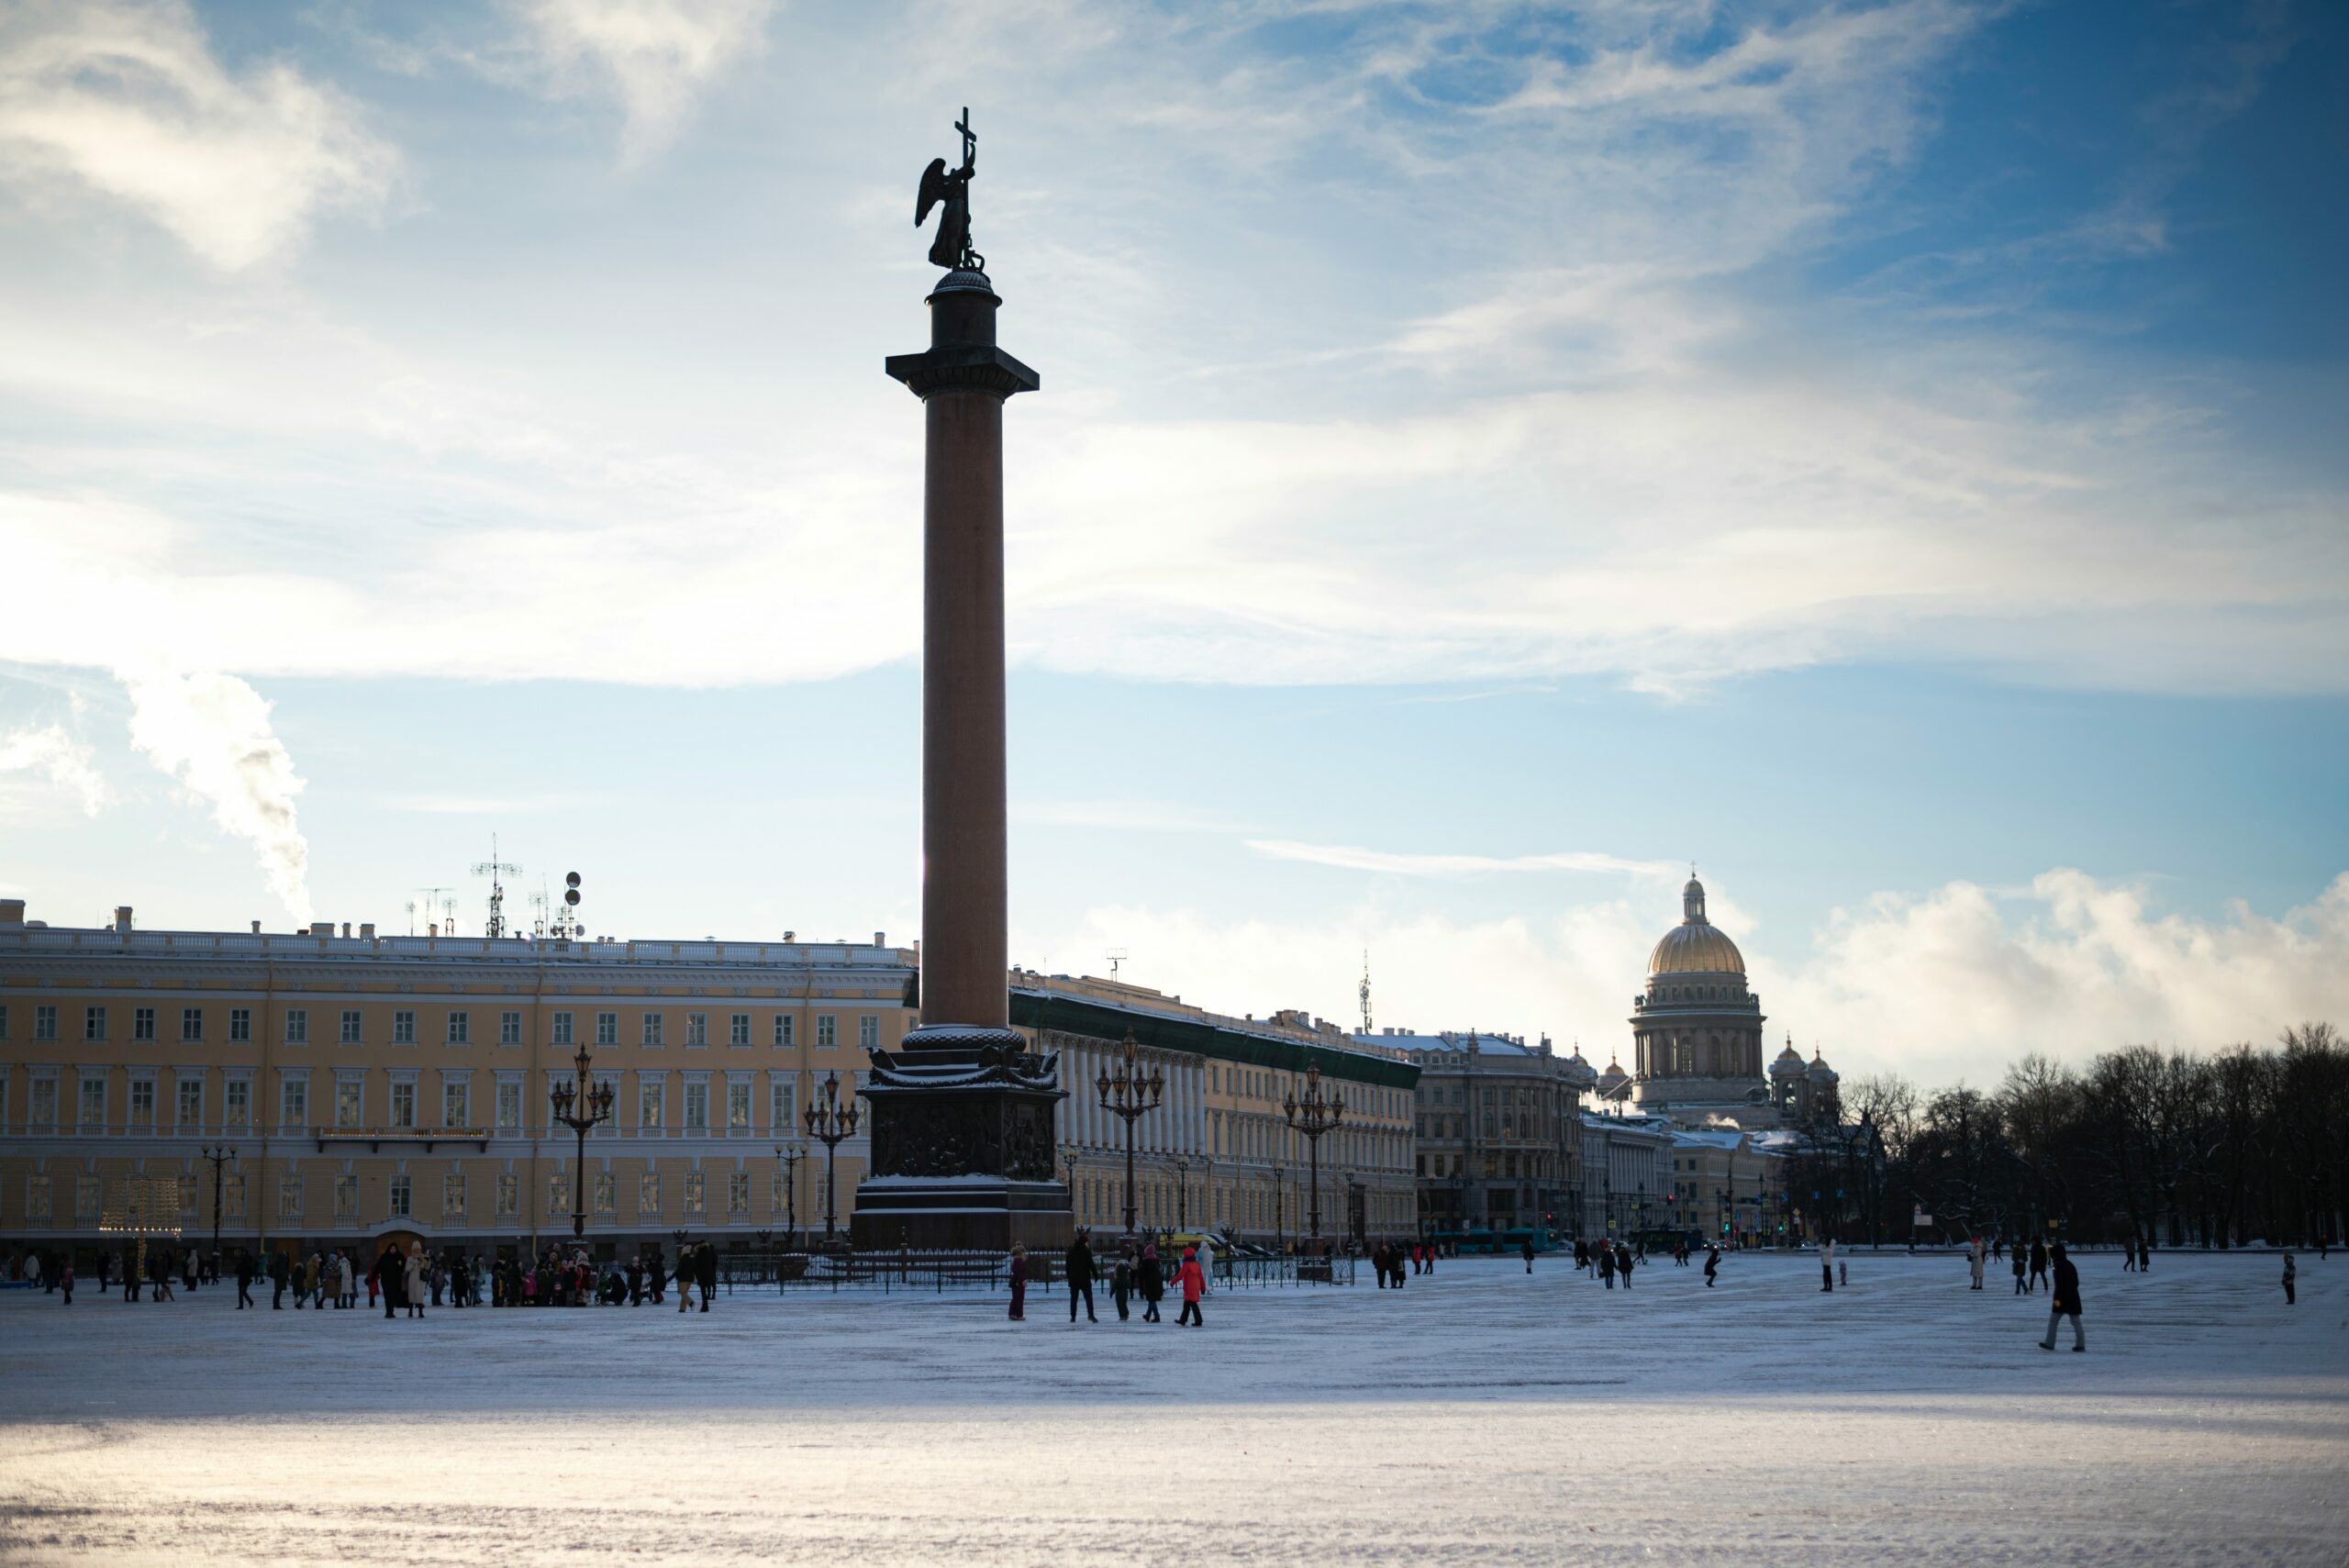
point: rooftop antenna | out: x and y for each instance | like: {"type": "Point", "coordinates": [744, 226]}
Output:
{"type": "Point", "coordinates": [445, 900]}
{"type": "Point", "coordinates": [1117, 955]}
{"type": "Point", "coordinates": [411, 917]}
{"type": "Point", "coordinates": [493, 868]}
{"type": "Point", "coordinates": [539, 902]}
{"type": "Point", "coordinates": [1366, 991]}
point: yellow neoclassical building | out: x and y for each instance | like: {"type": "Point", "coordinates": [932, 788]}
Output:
{"type": "Point", "coordinates": [373, 1085]}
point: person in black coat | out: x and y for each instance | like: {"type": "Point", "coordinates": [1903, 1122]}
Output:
{"type": "Point", "coordinates": [391, 1275]}
{"type": "Point", "coordinates": [1079, 1277]}
{"type": "Point", "coordinates": [1151, 1279]}
{"type": "Point", "coordinates": [705, 1272]}
{"type": "Point", "coordinates": [244, 1279]}
{"type": "Point", "coordinates": [2065, 1302]}
{"type": "Point", "coordinates": [1525, 1248]}
{"type": "Point", "coordinates": [1712, 1265]}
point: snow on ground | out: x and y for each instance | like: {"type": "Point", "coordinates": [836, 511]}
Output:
{"type": "Point", "coordinates": [1477, 1416]}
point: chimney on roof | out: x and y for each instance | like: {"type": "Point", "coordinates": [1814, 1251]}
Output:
{"type": "Point", "coordinates": [256, 928]}
{"type": "Point", "coordinates": [12, 911]}
{"type": "Point", "coordinates": [791, 936]}
{"type": "Point", "coordinates": [346, 927]}
{"type": "Point", "coordinates": [122, 917]}
{"type": "Point", "coordinates": [880, 938]}
{"type": "Point", "coordinates": [367, 930]}
{"type": "Point", "coordinates": [322, 928]}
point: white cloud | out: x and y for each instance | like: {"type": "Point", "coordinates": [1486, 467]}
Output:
{"type": "Point", "coordinates": [656, 55]}
{"type": "Point", "coordinates": [56, 754]}
{"type": "Point", "coordinates": [212, 733]}
{"type": "Point", "coordinates": [129, 100]}
{"type": "Point", "coordinates": [1385, 863]}
{"type": "Point", "coordinates": [1955, 982]}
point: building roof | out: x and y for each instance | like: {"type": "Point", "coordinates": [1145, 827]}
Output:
{"type": "Point", "coordinates": [1695, 946]}
{"type": "Point", "coordinates": [1449, 1042]}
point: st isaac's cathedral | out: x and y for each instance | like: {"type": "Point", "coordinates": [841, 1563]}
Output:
{"type": "Point", "coordinates": [1697, 1038]}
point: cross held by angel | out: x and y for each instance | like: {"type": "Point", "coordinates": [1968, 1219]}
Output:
{"type": "Point", "coordinates": [951, 189]}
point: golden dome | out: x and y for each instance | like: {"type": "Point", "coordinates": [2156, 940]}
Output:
{"type": "Point", "coordinates": [1695, 946]}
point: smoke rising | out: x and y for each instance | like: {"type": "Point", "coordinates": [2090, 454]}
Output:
{"type": "Point", "coordinates": [212, 733]}
{"type": "Point", "coordinates": [51, 751]}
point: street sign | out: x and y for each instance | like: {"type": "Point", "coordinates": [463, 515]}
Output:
{"type": "Point", "coordinates": [1919, 1217]}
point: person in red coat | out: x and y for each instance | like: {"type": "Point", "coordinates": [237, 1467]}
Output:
{"type": "Point", "coordinates": [1194, 1280]}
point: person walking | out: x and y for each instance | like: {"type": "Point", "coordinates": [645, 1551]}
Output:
{"type": "Point", "coordinates": [2146, 1256]}
{"type": "Point", "coordinates": [1122, 1282]}
{"type": "Point", "coordinates": [1526, 1246]}
{"type": "Point", "coordinates": [684, 1277]}
{"type": "Point", "coordinates": [2023, 1266]}
{"type": "Point", "coordinates": [2038, 1263]}
{"type": "Point", "coordinates": [1827, 1265]}
{"type": "Point", "coordinates": [1018, 1283]}
{"type": "Point", "coordinates": [413, 1273]}
{"type": "Point", "coordinates": [244, 1279]}
{"type": "Point", "coordinates": [277, 1274]}
{"type": "Point", "coordinates": [1974, 1253]}
{"type": "Point", "coordinates": [386, 1277]}
{"type": "Point", "coordinates": [159, 1276]}
{"type": "Point", "coordinates": [1194, 1280]}
{"type": "Point", "coordinates": [2129, 1256]}
{"type": "Point", "coordinates": [2065, 1302]}
{"type": "Point", "coordinates": [106, 1270]}
{"type": "Point", "coordinates": [65, 1277]}
{"type": "Point", "coordinates": [1712, 1265]}
{"type": "Point", "coordinates": [1623, 1262]}
{"type": "Point", "coordinates": [1080, 1276]}
{"type": "Point", "coordinates": [1151, 1279]}
{"type": "Point", "coordinates": [1607, 1264]}
{"type": "Point", "coordinates": [705, 1272]}
{"type": "Point", "coordinates": [2290, 1273]}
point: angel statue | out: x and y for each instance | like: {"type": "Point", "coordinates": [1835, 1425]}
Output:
{"type": "Point", "coordinates": [952, 187]}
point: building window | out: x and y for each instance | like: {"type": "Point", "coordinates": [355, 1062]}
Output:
{"type": "Point", "coordinates": [509, 1197]}
{"type": "Point", "coordinates": [607, 1193]}
{"type": "Point", "coordinates": [89, 1197]}
{"type": "Point", "coordinates": [456, 1102]}
{"type": "Point", "coordinates": [294, 1103]}
{"type": "Point", "coordinates": [696, 1028]}
{"type": "Point", "coordinates": [452, 1198]}
{"type": "Point", "coordinates": [94, 1103]}
{"type": "Point", "coordinates": [297, 1026]}
{"type": "Point", "coordinates": [738, 1030]}
{"type": "Point", "coordinates": [509, 1105]}
{"type": "Point", "coordinates": [826, 1032]}
{"type": "Point", "coordinates": [785, 1095]}
{"type": "Point", "coordinates": [192, 1023]}
{"type": "Point", "coordinates": [697, 1193]}
{"type": "Point", "coordinates": [348, 1034]}
{"type": "Point", "coordinates": [868, 1031]}
{"type": "Point", "coordinates": [4, 1023]}
{"type": "Point", "coordinates": [237, 1102]}
{"type": "Point", "coordinates": [93, 1023]}
{"type": "Point", "coordinates": [778, 1204]}
{"type": "Point", "coordinates": [404, 1103]}
{"type": "Point", "coordinates": [783, 1032]}
{"type": "Point", "coordinates": [608, 1028]}
{"type": "Point", "coordinates": [561, 1030]}
{"type": "Point", "coordinates": [232, 1197]}
{"type": "Point", "coordinates": [190, 1088]}
{"type": "Point", "coordinates": [240, 1024]}
{"type": "Point", "coordinates": [738, 1108]}
{"type": "Point", "coordinates": [36, 1199]}
{"type": "Point", "coordinates": [44, 1023]}
{"type": "Point", "coordinates": [696, 1107]}
{"type": "Point", "coordinates": [652, 1029]}
{"type": "Point", "coordinates": [558, 1196]}
{"type": "Point", "coordinates": [403, 1198]}
{"type": "Point", "coordinates": [737, 1196]}
{"type": "Point", "coordinates": [289, 1197]}
{"type": "Point", "coordinates": [648, 1193]}
{"type": "Point", "coordinates": [349, 1102]}
{"type": "Point", "coordinates": [142, 1102]}
{"type": "Point", "coordinates": [346, 1197]}
{"type": "Point", "coordinates": [461, 1027]}
{"type": "Point", "coordinates": [142, 1023]}
{"type": "Point", "coordinates": [403, 1027]}
{"type": "Point", "coordinates": [509, 1028]}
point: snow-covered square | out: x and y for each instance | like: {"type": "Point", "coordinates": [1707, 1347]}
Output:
{"type": "Point", "coordinates": [1478, 1415]}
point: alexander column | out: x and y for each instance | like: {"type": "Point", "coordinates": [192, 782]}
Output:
{"type": "Point", "coordinates": [962, 1115]}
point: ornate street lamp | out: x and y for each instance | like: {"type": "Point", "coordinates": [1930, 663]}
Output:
{"type": "Point", "coordinates": [832, 1123]}
{"type": "Point", "coordinates": [218, 1154]}
{"type": "Point", "coordinates": [1128, 1094]}
{"type": "Point", "coordinates": [1280, 1222]}
{"type": "Point", "coordinates": [593, 1101]}
{"type": "Point", "coordinates": [1182, 1192]}
{"type": "Point", "coordinates": [1314, 1116]}
{"type": "Point", "coordinates": [789, 1155]}
{"type": "Point", "coordinates": [1068, 1162]}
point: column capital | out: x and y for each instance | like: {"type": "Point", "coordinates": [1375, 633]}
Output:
{"type": "Point", "coordinates": [962, 367]}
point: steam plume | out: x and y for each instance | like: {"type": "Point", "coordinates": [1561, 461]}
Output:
{"type": "Point", "coordinates": [212, 733]}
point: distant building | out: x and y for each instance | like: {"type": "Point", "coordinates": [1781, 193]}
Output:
{"type": "Point", "coordinates": [1697, 1029]}
{"type": "Point", "coordinates": [1498, 1142]}
{"type": "Point", "coordinates": [1627, 1164]}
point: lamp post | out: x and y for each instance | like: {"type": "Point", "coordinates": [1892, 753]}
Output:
{"type": "Point", "coordinates": [1068, 1164]}
{"type": "Point", "coordinates": [788, 1155]}
{"type": "Point", "coordinates": [593, 1101]}
{"type": "Point", "coordinates": [218, 1154]}
{"type": "Point", "coordinates": [831, 1122]}
{"type": "Point", "coordinates": [1314, 1116]}
{"type": "Point", "coordinates": [1182, 1193]}
{"type": "Point", "coordinates": [1280, 1237]}
{"type": "Point", "coordinates": [1128, 1094]}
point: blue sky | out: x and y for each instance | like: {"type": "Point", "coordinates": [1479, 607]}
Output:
{"type": "Point", "coordinates": [1491, 455]}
